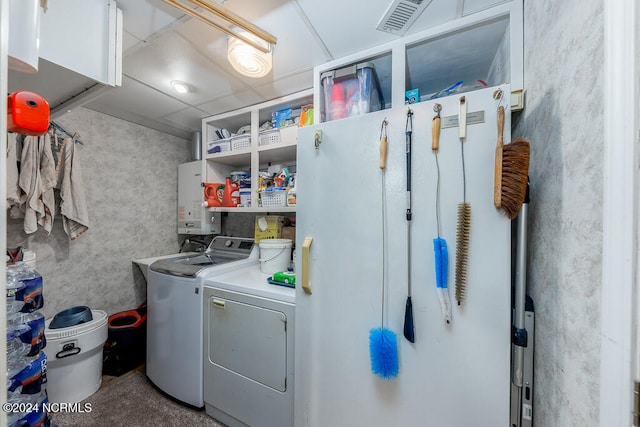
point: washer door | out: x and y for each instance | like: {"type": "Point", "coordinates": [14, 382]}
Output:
{"type": "Point", "coordinates": [248, 340]}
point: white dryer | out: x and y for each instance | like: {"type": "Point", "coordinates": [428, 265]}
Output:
{"type": "Point", "coordinates": [174, 314]}
{"type": "Point", "coordinates": [248, 349]}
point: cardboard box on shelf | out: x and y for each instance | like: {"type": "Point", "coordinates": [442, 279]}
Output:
{"type": "Point", "coordinates": [268, 227]}
{"type": "Point", "coordinates": [288, 233]}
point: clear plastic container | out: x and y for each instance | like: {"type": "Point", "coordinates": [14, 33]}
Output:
{"type": "Point", "coordinates": [350, 91]}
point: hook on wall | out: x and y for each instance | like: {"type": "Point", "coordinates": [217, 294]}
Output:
{"type": "Point", "coordinates": [317, 138]}
{"type": "Point", "coordinates": [498, 96]}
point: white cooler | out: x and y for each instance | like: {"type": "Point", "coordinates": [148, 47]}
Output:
{"type": "Point", "coordinates": [74, 359]}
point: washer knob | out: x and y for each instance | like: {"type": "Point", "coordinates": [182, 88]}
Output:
{"type": "Point", "coordinates": [228, 243]}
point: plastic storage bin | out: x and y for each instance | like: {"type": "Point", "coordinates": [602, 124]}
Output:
{"type": "Point", "coordinates": [219, 146]}
{"type": "Point", "coordinates": [271, 197]}
{"type": "Point", "coordinates": [284, 135]}
{"type": "Point", "coordinates": [241, 142]}
{"type": "Point", "coordinates": [269, 137]}
{"type": "Point", "coordinates": [74, 359]}
{"type": "Point", "coordinates": [350, 91]}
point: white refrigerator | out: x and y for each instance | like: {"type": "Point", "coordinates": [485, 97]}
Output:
{"type": "Point", "coordinates": [454, 374]}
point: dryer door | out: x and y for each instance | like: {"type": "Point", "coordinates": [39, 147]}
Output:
{"type": "Point", "coordinates": [248, 340]}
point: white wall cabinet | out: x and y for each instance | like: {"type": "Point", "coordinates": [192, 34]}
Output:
{"type": "Point", "coordinates": [84, 36]}
{"type": "Point", "coordinates": [269, 147]}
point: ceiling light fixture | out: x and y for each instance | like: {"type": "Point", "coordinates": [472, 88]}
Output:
{"type": "Point", "coordinates": [180, 87]}
{"type": "Point", "coordinates": [248, 60]}
{"type": "Point", "coordinates": [228, 17]}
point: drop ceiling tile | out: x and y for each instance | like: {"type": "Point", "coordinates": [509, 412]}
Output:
{"type": "Point", "coordinates": [136, 99]}
{"type": "Point", "coordinates": [347, 27]}
{"type": "Point", "coordinates": [188, 118]}
{"type": "Point", "coordinates": [286, 85]}
{"type": "Point", "coordinates": [166, 127]}
{"type": "Point", "coordinates": [231, 102]}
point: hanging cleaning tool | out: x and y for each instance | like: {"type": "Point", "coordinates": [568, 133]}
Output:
{"type": "Point", "coordinates": [464, 213]}
{"type": "Point", "coordinates": [383, 345]}
{"type": "Point", "coordinates": [520, 339]}
{"type": "Point", "coordinates": [441, 253]}
{"type": "Point", "coordinates": [511, 169]}
{"type": "Point", "coordinates": [409, 330]}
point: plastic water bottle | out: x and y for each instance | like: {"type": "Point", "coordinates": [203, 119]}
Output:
{"type": "Point", "coordinates": [13, 286]}
{"type": "Point", "coordinates": [37, 417]}
{"type": "Point", "coordinates": [31, 294]}
{"type": "Point", "coordinates": [32, 377]}
{"type": "Point", "coordinates": [338, 107]}
{"type": "Point", "coordinates": [32, 326]}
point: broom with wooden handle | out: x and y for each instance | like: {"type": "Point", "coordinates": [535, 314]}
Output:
{"type": "Point", "coordinates": [511, 172]}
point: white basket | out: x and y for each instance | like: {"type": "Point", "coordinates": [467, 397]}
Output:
{"type": "Point", "coordinates": [274, 198]}
{"type": "Point", "coordinates": [241, 142]}
{"type": "Point", "coordinates": [224, 144]}
{"type": "Point", "coordinates": [269, 137]}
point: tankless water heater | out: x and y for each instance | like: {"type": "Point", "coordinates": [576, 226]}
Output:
{"type": "Point", "coordinates": [193, 218]}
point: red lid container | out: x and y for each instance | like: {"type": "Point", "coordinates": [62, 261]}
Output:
{"type": "Point", "coordinates": [27, 113]}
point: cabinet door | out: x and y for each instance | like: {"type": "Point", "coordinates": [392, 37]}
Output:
{"type": "Point", "coordinates": [453, 375]}
{"type": "Point", "coordinates": [248, 340]}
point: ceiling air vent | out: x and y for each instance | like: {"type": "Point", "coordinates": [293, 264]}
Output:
{"type": "Point", "coordinates": [400, 15]}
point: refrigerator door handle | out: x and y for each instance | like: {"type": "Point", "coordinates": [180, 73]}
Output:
{"type": "Point", "coordinates": [306, 246]}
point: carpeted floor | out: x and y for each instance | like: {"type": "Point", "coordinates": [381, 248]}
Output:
{"type": "Point", "coordinates": [131, 400]}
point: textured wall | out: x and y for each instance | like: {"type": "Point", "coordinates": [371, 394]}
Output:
{"type": "Point", "coordinates": [130, 177]}
{"type": "Point", "coordinates": [563, 118]}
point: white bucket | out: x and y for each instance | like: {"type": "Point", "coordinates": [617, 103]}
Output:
{"type": "Point", "coordinates": [74, 359]}
{"type": "Point", "coordinates": [275, 255]}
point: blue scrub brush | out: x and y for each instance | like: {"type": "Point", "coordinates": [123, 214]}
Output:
{"type": "Point", "coordinates": [441, 253]}
{"type": "Point", "coordinates": [383, 345]}
{"type": "Point", "coordinates": [383, 348]}
{"type": "Point", "coordinates": [442, 273]}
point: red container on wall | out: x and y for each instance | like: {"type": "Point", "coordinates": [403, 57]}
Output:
{"type": "Point", "coordinates": [27, 113]}
{"type": "Point", "coordinates": [213, 194]}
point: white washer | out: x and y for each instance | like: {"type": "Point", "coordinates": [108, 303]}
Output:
{"type": "Point", "coordinates": [248, 349]}
{"type": "Point", "coordinates": [174, 314]}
